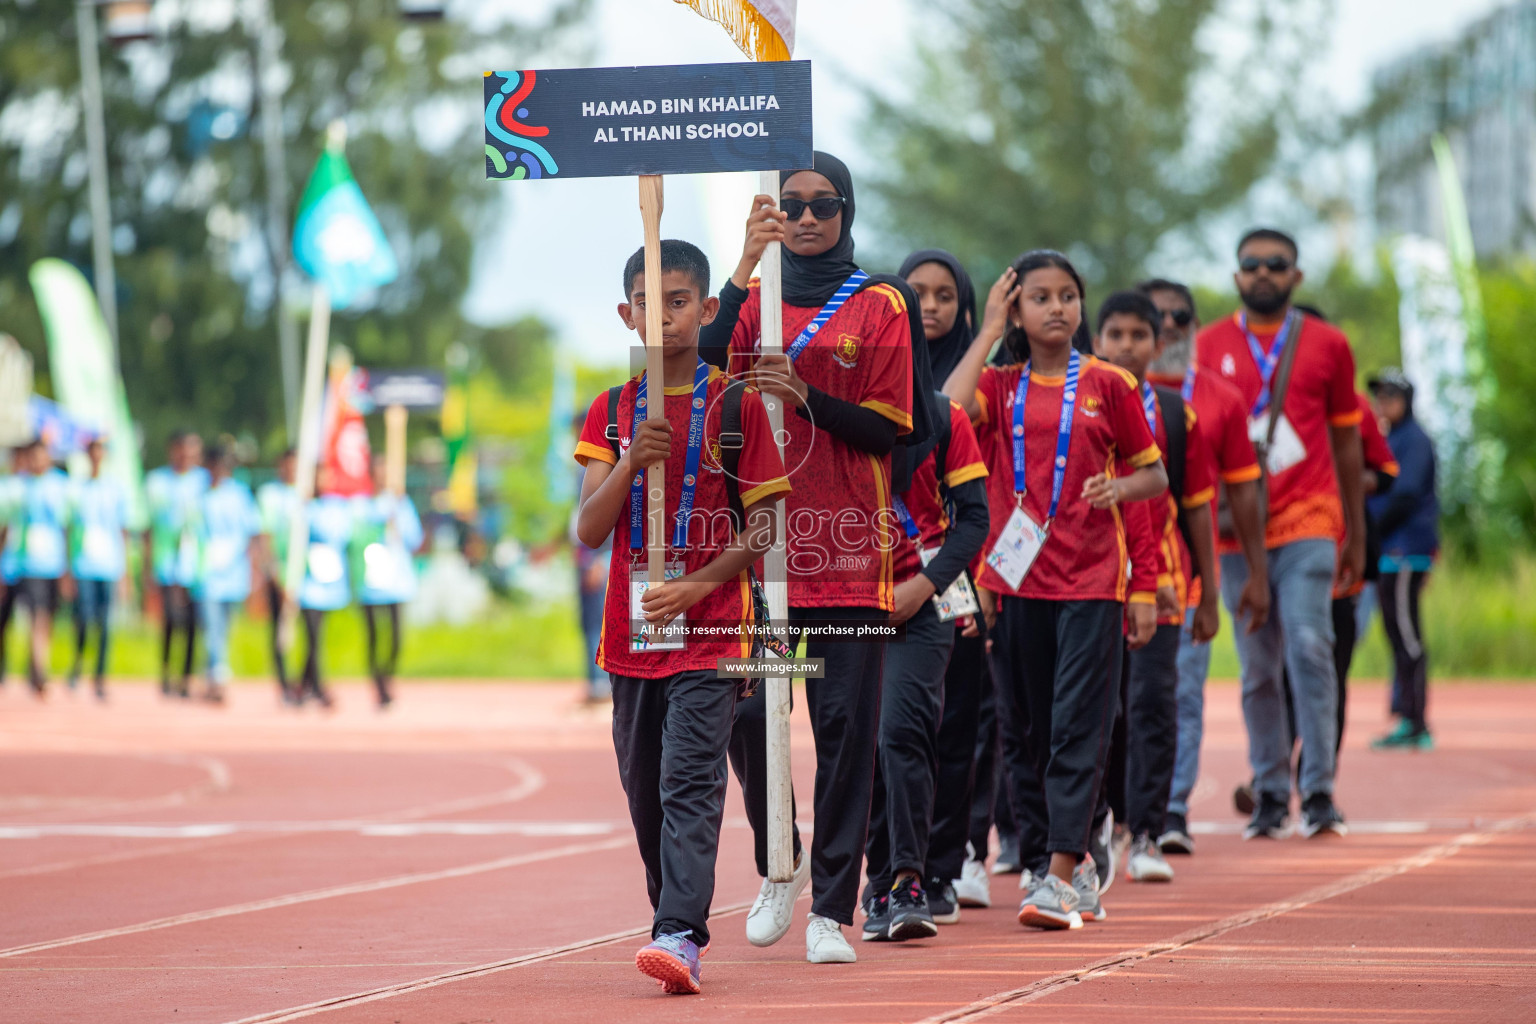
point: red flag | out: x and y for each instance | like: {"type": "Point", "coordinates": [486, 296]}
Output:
{"type": "Point", "coordinates": [347, 461]}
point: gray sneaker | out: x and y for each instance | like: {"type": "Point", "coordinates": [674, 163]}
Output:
{"type": "Point", "coordinates": [1051, 904]}
{"type": "Point", "coordinates": [1085, 879]}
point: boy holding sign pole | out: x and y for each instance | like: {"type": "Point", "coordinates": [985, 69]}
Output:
{"type": "Point", "coordinates": [662, 642]}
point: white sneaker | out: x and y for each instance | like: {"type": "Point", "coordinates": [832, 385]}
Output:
{"type": "Point", "coordinates": [1147, 863]}
{"type": "Point", "coordinates": [974, 886]}
{"type": "Point", "coordinates": [774, 909]}
{"type": "Point", "coordinates": [824, 942]}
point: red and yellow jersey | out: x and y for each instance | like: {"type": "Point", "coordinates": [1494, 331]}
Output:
{"type": "Point", "coordinates": [761, 475]}
{"type": "Point", "coordinates": [1085, 555]}
{"type": "Point", "coordinates": [1304, 499]}
{"type": "Point", "coordinates": [924, 499]}
{"type": "Point", "coordinates": [839, 556]}
{"type": "Point", "coordinates": [1223, 422]}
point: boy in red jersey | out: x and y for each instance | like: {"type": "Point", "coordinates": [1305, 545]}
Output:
{"type": "Point", "coordinates": [846, 380]}
{"type": "Point", "coordinates": [1057, 563]}
{"type": "Point", "coordinates": [1314, 468]}
{"type": "Point", "coordinates": [1127, 336]}
{"type": "Point", "coordinates": [1223, 420]}
{"type": "Point", "coordinates": [671, 711]}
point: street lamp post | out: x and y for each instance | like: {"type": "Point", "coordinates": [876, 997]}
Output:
{"type": "Point", "coordinates": [96, 153]}
{"type": "Point", "coordinates": [269, 88]}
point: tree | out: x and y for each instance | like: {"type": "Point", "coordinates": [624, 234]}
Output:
{"type": "Point", "coordinates": [196, 289]}
{"type": "Point", "coordinates": [1093, 126]}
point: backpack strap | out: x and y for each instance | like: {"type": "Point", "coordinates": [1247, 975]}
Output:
{"type": "Point", "coordinates": [1283, 379]}
{"type": "Point", "coordinates": [612, 433]}
{"type": "Point", "coordinates": [1171, 405]}
{"type": "Point", "coordinates": [731, 442]}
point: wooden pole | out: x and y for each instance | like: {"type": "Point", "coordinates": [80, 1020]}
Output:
{"type": "Point", "coordinates": [307, 456]}
{"type": "Point", "coordinates": [655, 391]}
{"type": "Point", "coordinates": [776, 689]}
{"type": "Point", "coordinates": [395, 419]}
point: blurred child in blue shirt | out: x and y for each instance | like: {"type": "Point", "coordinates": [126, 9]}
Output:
{"type": "Point", "coordinates": [384, 544]}
{"type": "Point", "coordinates": [227, 526]}
{"type": "Point", "coordinates": [99, 557]}
{"type": "Point", "coordinates": [275, 500]}
{"type": "Point", "coordinates": [35, 546]}
{"type": "Point", "coordinates": [172, 492]}
{"type": "Point", "coordinates": [326, 587]}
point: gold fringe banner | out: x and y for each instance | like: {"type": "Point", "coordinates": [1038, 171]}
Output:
{"type": "Point", "coordinates": [750, 30]}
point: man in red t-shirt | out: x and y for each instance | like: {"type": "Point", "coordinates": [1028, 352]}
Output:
{"type": "Point", "coordinates": [1223, 418]}
{"type": "Point", "coordinates": [1312, 458]}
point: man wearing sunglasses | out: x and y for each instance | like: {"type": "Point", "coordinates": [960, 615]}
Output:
{"type": "Point", "coordinates": [1297, 378]}
{"type": "Point", "coordinates": [1223, 418]}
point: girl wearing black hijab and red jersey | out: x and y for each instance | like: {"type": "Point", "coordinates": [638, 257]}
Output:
{"type": "Point", "coordinates": [941, 526]}
{"type": "Point", "coordinates": [847, 380]}
{"type": "Point", "coordinates": [1055, 585]}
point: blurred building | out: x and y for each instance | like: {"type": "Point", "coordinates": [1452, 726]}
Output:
{"type": "Point", "coordinates": [1480, 90]}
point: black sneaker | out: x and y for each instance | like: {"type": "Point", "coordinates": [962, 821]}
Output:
{"type": "Point", "coordinates": [910, 917]}
{"type": "Point", "coordinates": [1242, 799]}
{"type": "Point", "coordinates": [877, 918]}
{"type": "Point", "coordinates": [1175, 837]}
{"type": "Point", "coordinates": [942, 903]}
{"type": "Point", "coordinates": [1319, 816]}
{"type": "Point", "coordinates": [1271, 819]}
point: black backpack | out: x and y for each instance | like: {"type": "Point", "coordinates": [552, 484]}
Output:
{"type": "Point", "coordinates": [1171, 404]}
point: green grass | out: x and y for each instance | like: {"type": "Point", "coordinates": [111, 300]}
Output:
{"type": "Point", "coordinates": [1479, 621]}
{"type": "Point", "coordinates": [517, 641]}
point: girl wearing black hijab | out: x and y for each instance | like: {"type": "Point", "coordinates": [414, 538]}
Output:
{"type": "Point", "coordinates": [966, 746]}
{"type": "Point", "coordinates": [943, 524]}
{"type": "Point", "coordinates": [848, 374]}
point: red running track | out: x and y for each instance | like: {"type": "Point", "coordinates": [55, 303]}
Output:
{"type": "Point", "coordinates": [466, 858]}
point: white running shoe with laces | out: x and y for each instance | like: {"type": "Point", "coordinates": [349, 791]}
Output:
{"type": "Point", "coordinates": [1147, 863]}
{"type": "Point", "coordinates": [774, 909]}
{"type": "Point", "coordinates": [824, 942]}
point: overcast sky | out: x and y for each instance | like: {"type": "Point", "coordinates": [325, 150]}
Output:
{"type": "Point", "coordinates": [557, 248]}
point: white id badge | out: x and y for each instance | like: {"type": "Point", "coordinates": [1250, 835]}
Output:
{"type": "Point", "coordinates": [646, 636]}
{"type": "Point", "coordinates": [1016, 548]}
{"type": "Point", "coordinates": [1287, 449]}
{"type": "Point", "coordinates": [97, 544]}
{"type": "Point", "coordinates": [957, 599]}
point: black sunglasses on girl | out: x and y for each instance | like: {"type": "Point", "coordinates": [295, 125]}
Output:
{"type": "Point", "coordinates": [1275, 264]}
{"type": "Point", "coordinates": [824, 208]}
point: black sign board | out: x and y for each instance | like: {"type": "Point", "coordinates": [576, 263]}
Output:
{"type": "Point", "coordinates": [411, 389]}
{"type": "Point", "coordinates": [682, 119]}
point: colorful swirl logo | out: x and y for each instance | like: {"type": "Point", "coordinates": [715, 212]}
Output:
{"type": "Point", "coordinates": [506, 123]}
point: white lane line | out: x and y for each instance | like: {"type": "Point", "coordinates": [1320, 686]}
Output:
{"type": "Point", "coordinates": [529, 781]}
{"type": "Point", "coordinates": [1001, 1001]}
{"type": "Point", "coordinates": [217, 780]}
{"type": "Point", "coordinates": [204, 830]}
{"type": "Point", "coordinates": [314, 895]}
{"type": "Point", "coordinates": [449, 977]}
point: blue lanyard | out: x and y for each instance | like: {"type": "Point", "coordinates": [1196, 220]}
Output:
{"type": "Point", "coordinates": [1266, 362]}
{"type": "Point", "coordinates": [1149, 406]}
{"type": "Point", "coordinates": [907, 521]}
{"type": "Point", "coordinates": [1188, 390]}
{"type": "Point", "coordinates": [690, 472]}
{"type": "Point", "coordinates": [835, 303]}
{"type": "Point", "coordinates": [1063, 431]}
